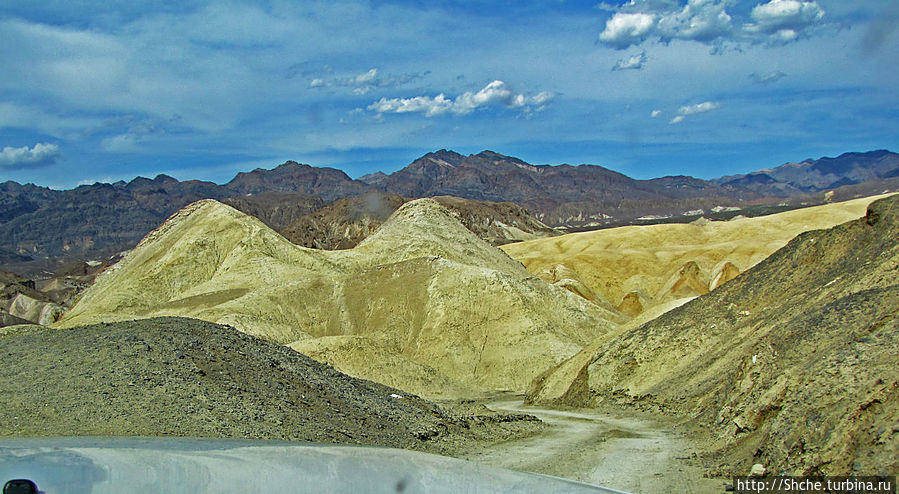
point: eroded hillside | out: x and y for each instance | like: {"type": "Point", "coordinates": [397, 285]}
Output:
{"type": "Point", "coordinates": [645, 270]}
{"type": "Point", "coordinates": [791, 365]}
{"type": "Point", "coordinates": [421, 296]}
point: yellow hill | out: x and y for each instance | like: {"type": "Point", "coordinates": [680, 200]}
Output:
{"type": "Point", "coordinates": [422, 290]}
{"type": "Point", "coordinates": [669, 262]}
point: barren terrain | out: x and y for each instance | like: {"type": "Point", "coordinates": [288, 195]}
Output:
{"type": "Point", "coordinates": [422, 296]}
{"type": "Point", "coordinates": [790, 365]}
{"type": "Point", "coordinates": [185, 377]}
{"type": "Point", "coordinates": [638, 268]}
{"type": "Point", "coordinates": [621, 449]}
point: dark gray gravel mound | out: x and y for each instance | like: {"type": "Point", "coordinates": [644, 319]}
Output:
{"type": "Point", "coordinates": [184, 377]}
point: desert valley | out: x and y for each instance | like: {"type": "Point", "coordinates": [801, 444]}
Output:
{"type": "Point", "coordinates": [725, 328]}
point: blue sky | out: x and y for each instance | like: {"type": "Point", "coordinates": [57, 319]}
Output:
{"type": "Point", "coordinates": [103, 91]}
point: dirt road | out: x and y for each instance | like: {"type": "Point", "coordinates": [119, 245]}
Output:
{"type": "Point", "coordinates": [630, 454]}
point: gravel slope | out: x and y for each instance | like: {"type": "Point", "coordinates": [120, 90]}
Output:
{"type": "Point", "coordinates": [174, 376]}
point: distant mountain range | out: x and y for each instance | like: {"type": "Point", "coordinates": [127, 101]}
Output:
{"type": "Point", "coordinates": [101, 219]}
{"type": "Point", "coordinates": [811, 176]}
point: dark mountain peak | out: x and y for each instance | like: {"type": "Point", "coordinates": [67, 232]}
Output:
{"type": "Point", "coordinates": [752, 178]}
{"type": "Point", "coordinates": [373, 178]}
{"type": "Point", "coordinates": [682, 181]}
{"type": "Point", "coordinates": [165, 179]}
{"type": "Point", "coordinates": [491, 155]}
{"type": "Point", "coordinates": [679, 179]}
{"type": "Point", "coordinates": [288, 164]}
{"type": "Point", "coordinates": [445, 156]}
{"type": "Point", "coordinates": [877, 153]}
{"type": "Point", "coordinates": [328, 183]}
{"type": "Point", "coordinates": [496, 157]}
{"type": "Point", "coordinates": [436, 163]}
{"type": "Point", "coordinates": [99, 186]}
{"type": "Point", "coordinates": [137, 181]}
{"type": "Point", "coordinates": [10, 187]}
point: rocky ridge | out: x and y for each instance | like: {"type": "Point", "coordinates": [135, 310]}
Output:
{"type": "Point", "coordinates": [94, 221]}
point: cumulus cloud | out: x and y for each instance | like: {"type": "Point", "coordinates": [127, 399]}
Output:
{"type": "Point", "coordinates": [626, 29]}
{"type": "Point", "coordinates": [785, 19]}
{"type": "Point", "coordinates": [708, 22]}
{"type": "Point", "coordinates": [635, 62]}
{"type": "Point", "coordinates": [699, 20]}
{"type": "Point", "coordinates": [687, 110]}
{"type": "Point", "coordinates": [655, 113]}
{"type": "Point", "coordinates": [41, 154]}
{"type": "Point", "coordinates": [419, 104]}
{"type": "Point", "coordinates": [495, 93]}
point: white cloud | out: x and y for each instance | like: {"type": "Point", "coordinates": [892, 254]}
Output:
{"type": "Point", "coordinates": [626, 29]}
{"type": "Point", "coordinates": [41, 154]}
{"type": "Point", "coordinates": [121, 143]}
{"type": "Point", "coordinates": [419, 104]}
{"type": "Point", "coordinates": [655, 113]}
{"type": "Point", "coordinates": [708, 22]}
{"type": "Point", "coordinates": [635, 62]}
{"type": "Point", "coordinates": [698, 108]}
{"type": "Point", "coordinates": [768, 78]}
{"type": "Point", "coordinates": [785, 15]}
{"type": "Point", "coordinates": [368, 81]}
{"type": "Point", "coordinates": [687, 110]}
{"type": "Point", "coordinates": [541, 98]}
{"type": "Point", "coordinates": [699, 20]}
{"type": "Point", "coordinates": [366, 77]}
{"type": "Point", "coordinates": [497, 92]}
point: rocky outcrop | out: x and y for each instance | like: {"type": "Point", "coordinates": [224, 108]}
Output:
{"type": "Point", "coordinates": [723, 273]}
{"type": "Point", "coordinates": [37, 311]}
{"type": "Point", "coordinates": [21, 302]}
{"type": "Point", "coordinates": [343, 223]}
{"type": "Point", "coordinates": [276, 209]}
{"type": "Point", "coordinates": [346, 222]}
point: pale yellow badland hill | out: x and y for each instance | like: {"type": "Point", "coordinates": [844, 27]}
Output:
{"type": "Point", "coordinates": [791, 365]}
{"type": "Point", "coordinates": [422, 304]}
{"type": "Point", "coordinates": [645, 270]}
